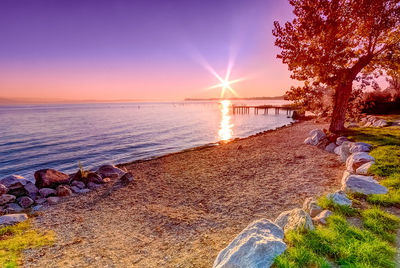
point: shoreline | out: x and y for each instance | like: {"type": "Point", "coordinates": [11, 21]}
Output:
{"type": "Point", "coordinates": [183, 208]}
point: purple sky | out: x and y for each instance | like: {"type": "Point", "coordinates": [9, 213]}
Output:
{"type": "Point", "coordinates": [81, 49]}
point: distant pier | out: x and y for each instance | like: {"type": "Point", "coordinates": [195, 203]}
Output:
{"type": "Point", "coordinates": [245, 109]}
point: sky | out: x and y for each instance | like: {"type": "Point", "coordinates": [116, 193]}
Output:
{"type": "Point", "coordinates": [150, 49]}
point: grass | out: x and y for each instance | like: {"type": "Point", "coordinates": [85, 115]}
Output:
{"type": "Point", "coordinates": [15, 239]}
{"type": "Point", "coordinates": [339, 243]}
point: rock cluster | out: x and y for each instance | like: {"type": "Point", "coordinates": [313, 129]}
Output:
{"type": "Point", "coordinates": [372, 121]}
{"type": "Point", "coordinates": [18, 193]}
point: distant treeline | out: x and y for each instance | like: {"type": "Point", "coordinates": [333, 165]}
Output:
{"type": "Point", "coordinates": [253, 98]}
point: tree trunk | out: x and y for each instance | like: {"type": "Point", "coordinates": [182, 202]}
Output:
{"type": "Point", "coordinates": [342, 96]}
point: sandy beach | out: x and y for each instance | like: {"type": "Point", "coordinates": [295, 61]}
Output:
{"type": "Point", "coordinates": [183, 208]}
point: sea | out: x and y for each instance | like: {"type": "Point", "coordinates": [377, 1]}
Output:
{"type": "Point", "coordinates": [60, 136]}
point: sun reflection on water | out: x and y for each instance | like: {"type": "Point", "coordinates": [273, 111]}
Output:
{"type": "Point", "coordinates": [225, 132]}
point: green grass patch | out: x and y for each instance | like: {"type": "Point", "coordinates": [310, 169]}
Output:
{"type": "Point", "coordinates": [326, 203]}
{"type": "Point", "coordinates": [339, 243]}
{"type": "Point", "coordinates": [381, 223]}
{"type": "Point", "coordinates": [17, 238]}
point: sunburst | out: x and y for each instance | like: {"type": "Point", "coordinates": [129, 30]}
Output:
{"type": "Point", "coordinates": [225, 83]}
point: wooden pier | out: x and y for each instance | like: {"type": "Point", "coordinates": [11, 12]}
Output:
{"type": "Point", "coordinates": [245, 109]}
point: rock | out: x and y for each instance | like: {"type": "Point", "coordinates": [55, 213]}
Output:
{"type": "Point", "coordinates": [37, 208]}
{"type": "Point", "coordinates": [308, 140]}
{"type": "Point", "coordinates": [380, 123]}
{"type": "Point", "coordinates": [110, 171]}
{"type": "Point", "coordinates": [358, 147]}
{"type": "Point", "coordinates": [362, 184]}
{"type": "Point", "coordinates": [127, 178]}
{"type": "Point", "coordinates": [78, 184]}
{"type": "Point", "coordinates": [25, 201]}
{"type": "Point", "coordinates": [321, 217]}
{"type": "Point", "coordinates": [294, 219]}
{"type": "Point", "coordinates": [353, 125]}
{"type": "Point", "coordinates": [340, 198]}
{"type": "Point", "coordinates": [93, 186]}
{"type": "Point", "coordinates": [12, 219]}
{"type": "Point", "coordinates": [77, 190]}
{"type": "Point", "coordinates": [368, 124]}
{"type": "Point", "coordinates": [31, 190]}
{"type": "Point", "coordinates": [345, 150]}
{"type": "Point", "coordinates": [3, 189]}
{"type": "Point", "coordinates": [311, 206]}
{"type": "Point", "coordinates": [356, 160]}
{"type": "Point", "coordinates": [331, 147]}
{"type": "Point", "coordinates": [63, 190]}
{"type": "Point", "coordinates": [94, 177]}
{"type": "Point", "coordinates": [316, 136]}
{"type": "Point", "coordinates": [50, 178]}
{"type": "Point", "coordinates": [45, 192]}
{"type": "Point", "coordinates": [256, 246]}
{"type": "Point", "coordinates": [337, 150]}
{"type": "Point", "coordinates": [363, 169]}
{"type": "Point", "coordinates": [340, 140]}
{"type": "Point", "coordinates": [40, 200]}
{"type": "Point", "coordinates": [52, 200]}
{"type": "Point", "coordinates": [107, 180]}
{"type": "Point", "coordinates": [12, 208]}
{"type": "Point", "coordinates": [77, 176]}
{"type": "Point", "coordinates": [13, 182]}
{"type": "Point", "coordinates": [7, 198]}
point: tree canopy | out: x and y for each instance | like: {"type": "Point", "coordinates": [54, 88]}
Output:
{"type": "Point", "coordinates": [331, 42]}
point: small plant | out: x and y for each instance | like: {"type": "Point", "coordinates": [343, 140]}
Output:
{"type": "Point", "coordinates": [84, 173]}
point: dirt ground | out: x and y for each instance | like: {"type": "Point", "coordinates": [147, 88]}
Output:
{"type": "Point", "coordinates": [182, 209]}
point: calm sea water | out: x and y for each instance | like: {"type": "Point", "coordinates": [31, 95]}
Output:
{"type": "Point", "coordinates": [58, 136]}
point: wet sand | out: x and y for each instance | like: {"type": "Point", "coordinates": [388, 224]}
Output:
{"type": "Point", "coordinates": [182, 209]}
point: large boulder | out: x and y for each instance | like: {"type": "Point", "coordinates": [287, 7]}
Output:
{"type": "Point", "coordinates": [110, 171]}
{"type": "Point", "coordinates": [360, 147]}
{"type": "Point", "coordinates": [50, 178]}
{"type": "Point", "coordinates": [340, 198]}
{"type": "Point", "coordinates": [12, 219]}
{"type": "Point", "coordinates": [363, 169]}
{"type": "Point", "coordinates": [356, 160]}
{"type": "Point", "coordinates": [7, 198]}
{"type": "Point", "coordinates": [13, 182]}
{"type": "Point", "coordinates": [256, 246]}
{"type": "Point", "coordinates": [362, 184]}
{"type": "Point", "coordinates": [94, 177]}
{"type": "Point", "coordinates": [310, 205]}
{"type": "Point", "coordinates": [294, 219]}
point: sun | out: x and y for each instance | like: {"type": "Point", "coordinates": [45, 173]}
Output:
{"type": "Point", "coordinates": [225, 83]}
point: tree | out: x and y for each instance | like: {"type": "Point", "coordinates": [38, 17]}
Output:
{"type": "Point", "coordinates": [332, 42]}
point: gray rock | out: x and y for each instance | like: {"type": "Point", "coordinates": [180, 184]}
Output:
{"type": "Point", "coordinates": [363, 169]}
{"type": "Point", "coordinates": [40, 200]}
{"type": "Point", "coordinates": [317, 136]}
{"type": "Point", "coordinates": [356, 160]}
{"type": "Point", "coordinates": [360, 147]}
{"type": "Point", "coordinates": [31, 190]}
{"type": "Point", "coordinates": [380, 123]}
{"type": "Point", "coordinates": [294, 219]}
{"type": "Point", "coordinates": [337, 150]}
{"type": "Point", "coordinates": [13, 182]}
{"type": "Point", "coordinates": [12, 219]}
{"type": "Point", "coordinates": [310, 205]}
{"type": "Point", "coordinates": [331, 147]}
{"type": "Point", "coordinates": [78, 184]}
{"type": "Point", "coordinates": [308, 140]}
{"type": "Point", "coordinates": [45, 192]}
{"type": "Point", "coordinates": [256, 246]}
{"type": "Point", "coordinates": [340, 198]}
{"type": "Point", "coordinates": [7, 198]}
{"type": "Point", "coordinates": [110, 171]}
{"type": "Point", "coordinates": [25, 201]}
{"type": "Point", "coordinates": [363, 184]}
{"type": "Point", "coordinates": [340, 140]}
{"type": "Point", "coordinates": [322, 217]}
{"type": "Point", "coordinates": [345, 150]}
{"type": "Point", "coordinates": [77, 190]}
{"type": "Point", "coordinates": [353, 125]}
{"type": "Point", "coordinates": [52, 200]}
{"type": "Point", "coordinates": [12, 208]}
{"type": "Point", "coordinates": [3, 189]}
